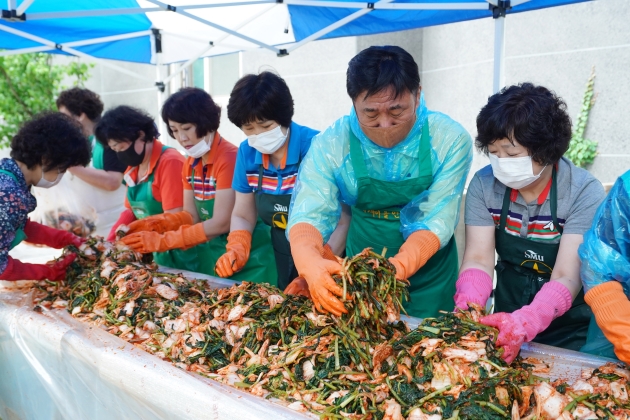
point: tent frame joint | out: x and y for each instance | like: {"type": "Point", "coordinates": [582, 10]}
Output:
{"type": "Point", "coordinates": [171, 8]}
{"type": "Point", "coordinates": [279, 1]}
{"type": "Point", "coordinates": [282, 52]}
{"type": "Point", "coordinates": [12, 16]}
{"type": "Point", "coordinates": [157, 35]}
{"type": "Point", "coordinates": [500, 9]}
{"type": "Point", "coordinates": [370, 5]}
{"type": "Point", "coordinates": [161, 86]}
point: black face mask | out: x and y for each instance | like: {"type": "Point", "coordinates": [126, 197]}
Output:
{"type": "Point", "coordinates": [129, 157]}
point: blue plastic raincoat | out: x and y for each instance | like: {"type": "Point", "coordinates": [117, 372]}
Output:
{"type": "Point", "coordinates": [605, 254]}
{"type": "Point", "coordinates": [327, 176]}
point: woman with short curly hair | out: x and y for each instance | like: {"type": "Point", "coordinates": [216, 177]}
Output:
{"type": "Point", "coordinates": [192, 118]}
{"type": "Point", "coordinates": [41, 152]}
{"type": "Point", "coordinates": [154, 186]}
{"type": "Point", "coordinates": [531, 206]}
{"type": "Point", "coordinates": [266, 171]}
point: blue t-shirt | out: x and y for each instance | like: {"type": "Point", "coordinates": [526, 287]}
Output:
{"type": "Point", "coordinates": [275, 181]}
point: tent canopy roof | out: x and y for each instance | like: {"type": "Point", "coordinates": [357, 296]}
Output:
{"type": "Point", "coordinates": [188, 29]}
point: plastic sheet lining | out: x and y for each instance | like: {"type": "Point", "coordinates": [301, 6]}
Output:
{"type": "Point", "coordinates": [53, 366]}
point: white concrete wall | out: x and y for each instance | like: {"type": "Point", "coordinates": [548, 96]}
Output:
{"type": "Point", "coordinates": [316, 75]}
{"type": "Point", "coordinates": [553, 47]}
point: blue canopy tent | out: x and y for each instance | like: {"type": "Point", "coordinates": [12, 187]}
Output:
{"type": "Point", "coordinates": [151, 31]}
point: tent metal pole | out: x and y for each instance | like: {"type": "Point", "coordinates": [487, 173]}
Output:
{"type": "Point", "coordinates": [137, 10]}
{"type": "Point", "coordinates": [381, 5]}
{"type": "Point", "coordinates": [72, 51]}
{"type": "Point", "coordinates": [236, 3]}
{"type": "Point", "coordinates": [30, 50]}
{"type": "Point", "coordinates": [160, 100]}
{"type": "Point", "coordinates": [212, 45]}
{"type": "Point", "coordinates": [22, 7]}
{"type": "Point", "coordinates": [432, 6]}
{"type": "Point", "coordinates": [216, 26]}
{"type": "Point", "coordinates": [222, 37]}
{"type": "Point", "coordinates": [75, 43]}
{"type": "Point", "coordinates": [92, 13]}
{"type": "Point", "coordinates": [105, 63]}
{"type": "Point", "coordinates": [310, 3]}
{"type": "Point", "coordinates": [498, 80]}
{"type": "Point", "coordinates": [332, 27]}
{"type": "Point", "coordinates": [187, 64]}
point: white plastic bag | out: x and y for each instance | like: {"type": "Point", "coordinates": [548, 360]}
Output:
{"type": "Point", "coordinates": [62, 207]}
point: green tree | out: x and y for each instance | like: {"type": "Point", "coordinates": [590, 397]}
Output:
{"type": "Point", "coordinates": [582, 151]}
{"type": "Point", "coordinates": [29, 84]}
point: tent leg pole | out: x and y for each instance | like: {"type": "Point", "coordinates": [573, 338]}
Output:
{"type": "Point", "coordinates": [499, 54]}
{"type": "Point", "coordinates": [160, 100]}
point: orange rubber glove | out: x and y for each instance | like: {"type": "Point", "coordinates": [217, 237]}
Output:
{"type": "Point", "coordinates": [161, 223]}
{"type": "Point", "coordinates": [185, 237]}
{"type": "Point", "coordinates": [328, 253]}
{"type": "Point", "coordinates": [419, 247]}
{"type": "Point", "coordinates": [299, 286]}
{"type": "Point", "coordinates": [611, 308]}
{"type": "Point", "coordinates": [238, 246]}
{"type": "Point", "coordinates": [307, 250]}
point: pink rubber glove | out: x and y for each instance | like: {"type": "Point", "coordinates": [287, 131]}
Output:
{"type": "Point", "coordinates": [473, 285]}
{"type": "Point", "coordinates": [522, 325]}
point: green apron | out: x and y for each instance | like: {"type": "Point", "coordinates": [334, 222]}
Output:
{"type": "Point", "coordinates": [376, 224]}
{"type": "Point", "coordinates": [258, 269]}
{"type": "Point", "coordinates": [273, 210]}
{"type": "Point", "coordinates": [97, 153]}
{"type": "Point", "coordinates": [143, 204]}
{"type": "Point", "coordinates": [524, 266]}
{"type": "Point", "coordinates": [19, 233]}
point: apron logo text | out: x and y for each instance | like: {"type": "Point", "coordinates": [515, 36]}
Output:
{"type": "Point", "coordinates": [383, 214]}
{"type": "Point", "coordinates": [279, 207]}
{"type": "Point", "coordinates": [534, 256]}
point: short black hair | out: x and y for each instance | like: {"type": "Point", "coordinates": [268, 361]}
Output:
{"type": "Point", "coordinates": [79, 100]}
{"type": "Point", "coordinates": [260, 97]}
{"type": "Point", "coordinates": [378, 68]}
{"type": "Point", "coordinates": [193, 106]}
{"type": "Point", "coordinates": [123, 124]}
{"type": "Point", "coordinates": [531, 115]}
{"type": "Point", "coordinates": [53, 140]}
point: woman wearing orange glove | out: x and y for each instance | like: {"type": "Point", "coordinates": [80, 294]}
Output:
{"type": "Point", "coordinates": [266, 169]}
{"type": "Point", "coordinates": [192, 117]}
{"type": "Point", "coordinates": [153, 179]}
{"type": "Point", "coordinates": [41, 152]}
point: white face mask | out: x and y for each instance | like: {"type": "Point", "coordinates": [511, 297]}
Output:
{"type": "Point", "coordinates": [44, 183]}
{"type": "Point", "coordinates": [267, 142]}
{"type": "Point", "coordinates": [199, 149]}
{"type": "Point", "coordinates": [515, 173]}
